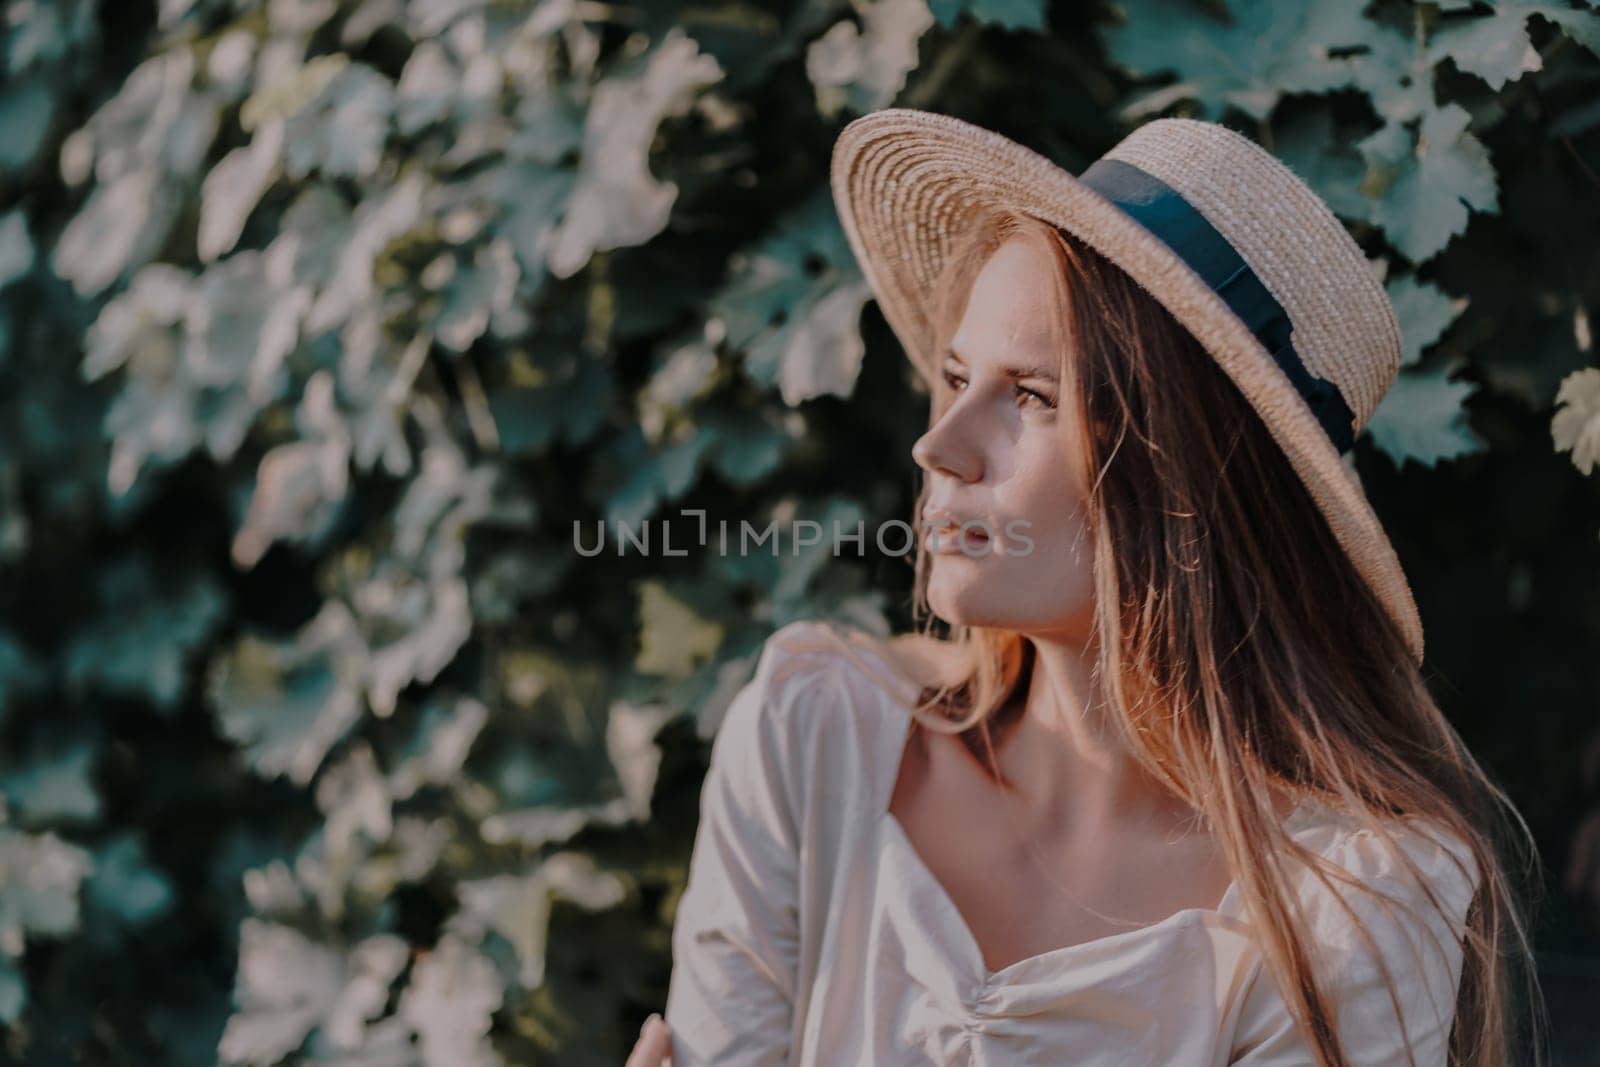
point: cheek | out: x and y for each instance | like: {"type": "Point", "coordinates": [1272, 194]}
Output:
{"type": "Point", "coordinates": [1047, 493]}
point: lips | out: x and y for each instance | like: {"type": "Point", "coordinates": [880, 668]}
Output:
{"type": "Point", "coordinates": [949, 536]}
{"type": "Point", "coordinates": [950, 540]}
{"type": "Point", "coordinates": [945, 519]}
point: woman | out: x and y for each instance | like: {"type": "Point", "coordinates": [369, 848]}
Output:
{"type": "Point", "coordinates": [1173, 791]}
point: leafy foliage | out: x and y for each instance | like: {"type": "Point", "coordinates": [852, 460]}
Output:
{"type": "Point", "coordinates": [324, 324]}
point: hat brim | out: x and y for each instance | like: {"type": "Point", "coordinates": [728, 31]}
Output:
{"type": "Point", "coordinates": [903, 180]}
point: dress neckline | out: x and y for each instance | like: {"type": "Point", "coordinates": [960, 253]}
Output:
{"type": "Point", "coordinates": [1226, 912]}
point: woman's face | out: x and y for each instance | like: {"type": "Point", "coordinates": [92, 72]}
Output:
{"type": "Point", "coordinates": [1004, 460]}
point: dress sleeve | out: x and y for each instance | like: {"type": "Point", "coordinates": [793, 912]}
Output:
{"type": "Point", "coordinates": [735, 938]}
{"type": "Point", "coordinates": [1420, 945]}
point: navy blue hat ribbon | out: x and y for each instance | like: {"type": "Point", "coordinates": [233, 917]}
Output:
{"type": "Point", "coordinates": [1164, 212]}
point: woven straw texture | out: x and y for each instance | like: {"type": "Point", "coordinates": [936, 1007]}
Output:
{"type": "Point", "coordinates": [905, 183]}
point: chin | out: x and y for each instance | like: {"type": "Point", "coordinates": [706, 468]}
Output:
{"type": "Point", "coordinates": [989, 601]}
{"type": "Point", "coordinates": [971, 601]}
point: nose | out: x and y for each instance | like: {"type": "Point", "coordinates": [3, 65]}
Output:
{"type": "Point", "coordinates": [947, 447]}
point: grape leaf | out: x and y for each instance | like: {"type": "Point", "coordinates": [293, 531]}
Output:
{"type": "Point", "coordinates": [1421, 417]}
{"type": "Point", "coordinates": [1265, 52]}
{"type": "Point", "coordinates": [864, 67]}
{"type": "Point", "coordinates": [1575, 427]}
{"type": "Point", "coordinates": [1009, 14]}
{"type": "Point", "coordinates": [1423, 184]}
{"type": "Point", "coordinates": [673, 638]}
{"type": "Point", "coordinates": [616, 201]}
{"type": "Point", "coordinates": [793, 306]}
{"type": "Point", "coordinates": [1495, 45]}
{"type": "Point", "coordinates": [1424, 311]}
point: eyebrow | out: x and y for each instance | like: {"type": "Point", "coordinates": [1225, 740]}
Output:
{"type": "Point", "coordinates": [1029, 370]}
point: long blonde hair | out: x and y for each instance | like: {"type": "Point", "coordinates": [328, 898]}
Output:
{"type": "Point", "coordinates": [1239, 648]}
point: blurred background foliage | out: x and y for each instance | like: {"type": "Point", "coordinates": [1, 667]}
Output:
{"type": "Point", "coordinates": [322, 323]}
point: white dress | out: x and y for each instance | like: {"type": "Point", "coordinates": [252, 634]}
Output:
{"type": "Point", "coordinates": [811, 933]}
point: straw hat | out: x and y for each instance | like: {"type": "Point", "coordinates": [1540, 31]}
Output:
{"type": "Point", "coordinates": [1225, 236]}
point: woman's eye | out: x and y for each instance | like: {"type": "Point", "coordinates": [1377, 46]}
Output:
{"type": "Point", "coordinates": [1038, 399]}
{"type": "Point", "coordinates": [1044, 402]}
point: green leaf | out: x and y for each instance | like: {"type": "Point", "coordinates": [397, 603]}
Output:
{"type": "Point", "coordinates": [793, 306]}
{"type": "Point", "coordinates": [517, 907]}
{"type": "Point", "coordinates": [289, 702]}
{"type": "Point", "coordinates": [568, 407]}
{"type": "Point", "coordinates": [126, 885]}
{"type": "Point", "coordinates": [339, 253]}
{"type": "Point", "coordinates": [630, 744]}
{"type": "Point", "coordinates": [638, 479]}
{"type": "Point", "coordinates": [746, 446]}
{"type": "Point", "coordinates": [144, 146]}
{"type": "Point", "coordinates": [450, 1004]}
{"type": "Point", "coordinates": [682, 373]}
{"type": "Point", "coordinates": [300, 485]}
{"type": "Point", "coordinates": [340, 132]}
{"type": "Point", "coordinates": [27, 113]}
{"type": "Point", "coordinates": [19, 673]}
{"type": "Point", "coordinates": [1580, 25]}
{"type": "Point", "coordinates": [479, 294]}
{"type": "Point", "coordinates": [1424, 184]}
{"type": "Point", "coordinates": [440, 85]}
{"type": "Point", "coordinates": [354, 799]}
{"type": "Point", "coordinates": [203, 356]}
{"type": "Point", "coordinates": [288, 986]}
{"type": "Point", "coordinates": [1424, 312]}
{"type": "Point", "coordinates": [1421, 417]}
{"type": "Point", "coordinates": [1396, 72]}
{"type": "Point", "coordinates": [673, 638]}
{"type": "Point", "coordinates": [1009, 14]}
{"type": "Point", "coordinates": [809, 540]}
{"type": "Point", "coordinates": [233, 189]}
{"type": "Point", "coordinates": [40, 876]}
{"type": "Point", "coordinates": [617, 202]}
{"type": "Point", "coordinates": [55, 786]}
{"type": "Point", "coordinates": [864, 67]}
{"type": "Point", "coordinates": [147, 632]}
{"type": "Point", "coordinates": [1495, 45]}
{"type": "Point", "coordinates": [1265, 52]}
{"type": "Point", "coordinates": [439, 750]}
{"type": "Point", "coordinates": [1496, 48]}
{"type": "Point", "coordinates": [1419, 186]}
{"type": "Point", "coordinates": [16, 247]}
